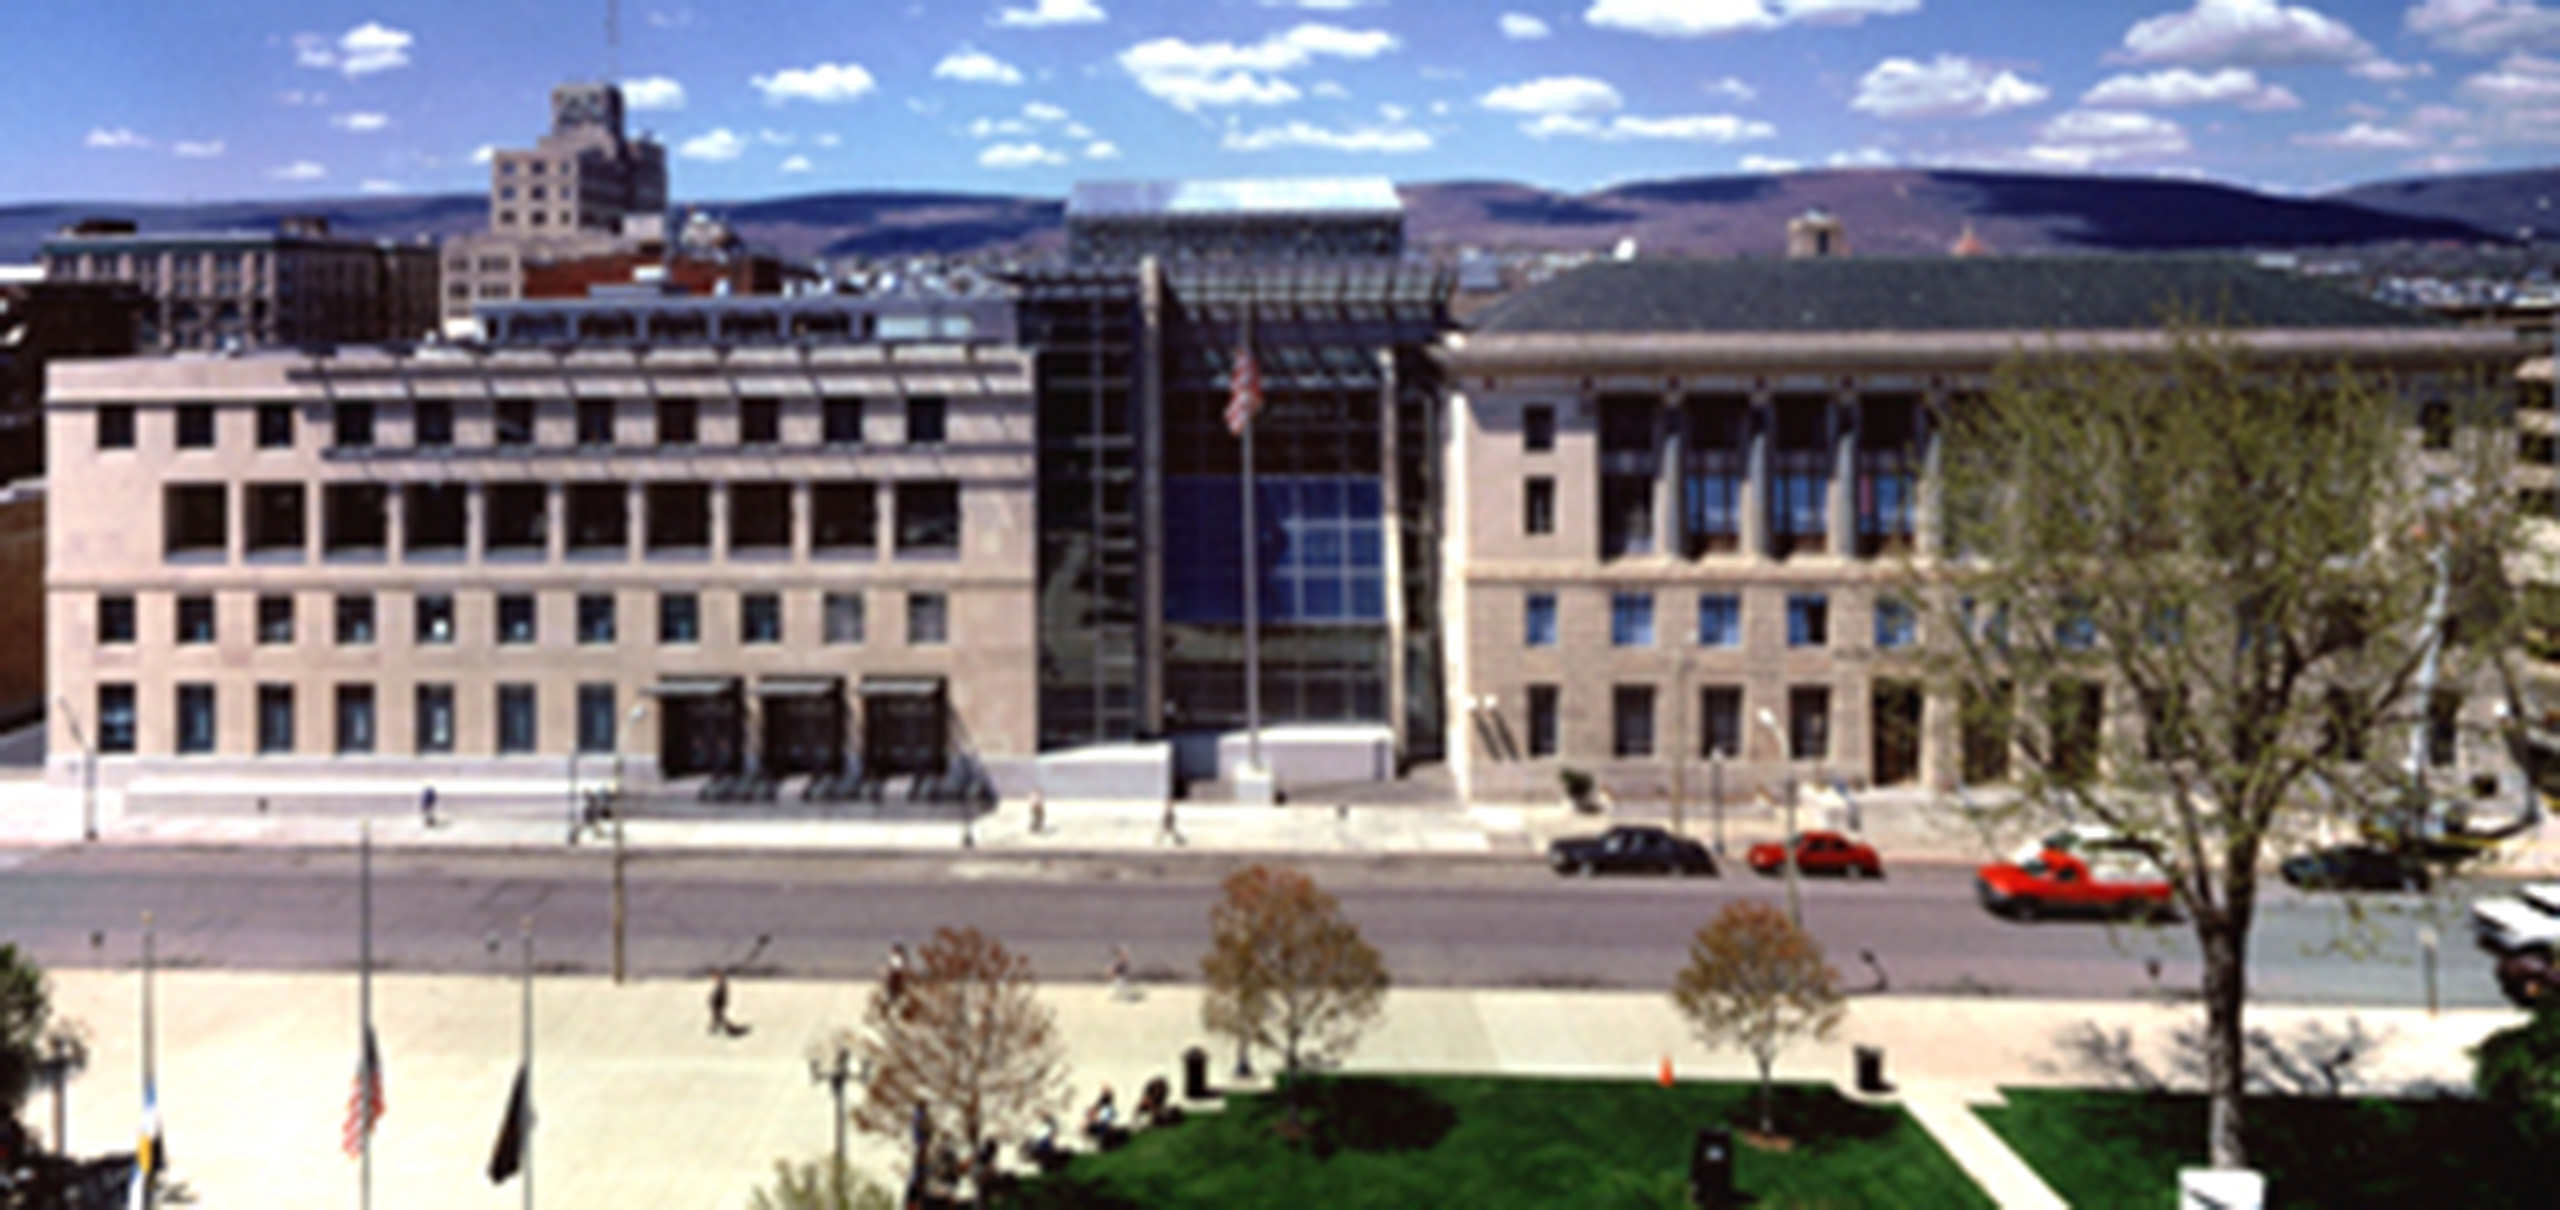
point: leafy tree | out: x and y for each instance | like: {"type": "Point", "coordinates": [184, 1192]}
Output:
{"type": "Point", "coordinates": [1285, 971]}
{"type": "Point", "coordinates": [966, 1037]}
{"type": "Point", "coordinates": [2185, 587]}
{"type": "Point", "coordinates": [2518, 1069]}
{"type": "Point", "coordinates": [821, 1184]}
{"type": "Point", "coordinates": [26, 1012]}
{"type": "Point", "coordinates": [1756, 981]}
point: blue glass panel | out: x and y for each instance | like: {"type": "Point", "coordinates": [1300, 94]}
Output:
{"type": "Point", "coordinates": [1368, 549]}
{"type": "Point", "coordinates": [1368, 598]}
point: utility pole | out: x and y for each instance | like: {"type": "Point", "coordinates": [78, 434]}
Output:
{"type": "Point", "coordinates": [88, 770]}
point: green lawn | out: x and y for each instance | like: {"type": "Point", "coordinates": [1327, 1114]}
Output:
{"type": "Point", "coordinates": [1484, 1142]}
{"type": "Point", "coordinates": [2101, 1149]}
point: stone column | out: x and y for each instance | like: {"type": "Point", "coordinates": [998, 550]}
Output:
{"type": "Point", "coordinates": [1841, 509]}
{"type": "Point", "coordinates": [1755, 485]}
{"type": "Point", "coordinates": [1668, 504]}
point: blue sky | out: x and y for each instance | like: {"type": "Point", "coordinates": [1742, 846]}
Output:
{"type": "Point", "coordinates": [165, 100]}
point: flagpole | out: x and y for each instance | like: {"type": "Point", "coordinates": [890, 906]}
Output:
{"type": "Point", "coordinates": [1252, 579]}
{"type": "Point", "coordinates": [528, 1062]}
{"type": "Point", "coordinates": [366, 1060]}
{"type": "Point", "coordinates": [150, 1078]}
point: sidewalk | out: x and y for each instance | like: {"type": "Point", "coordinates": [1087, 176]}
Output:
{"type": "Point", "coordinates": [640, 1106]}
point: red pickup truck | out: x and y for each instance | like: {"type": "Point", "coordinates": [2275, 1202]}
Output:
{"type": "Point", "coordinates": [2092, 882]}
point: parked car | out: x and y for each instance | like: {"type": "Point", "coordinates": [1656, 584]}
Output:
{"type": "Point", "coordinates": [2529, 977]}
{"type": "Point", "coordinates": [2528, 919]}
{"type": "Point", "coordinates": [2109, 882]}
{"type": "Point", "coordinates": [1820, 853]}
{"type": "Point", "coordinates": [2355, 867]}
{"type": "Point", "coordinates": [1630, 849]}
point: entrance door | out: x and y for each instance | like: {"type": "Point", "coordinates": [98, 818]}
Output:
{"type": "Point", "coordinates": [903, 728]}
{"type": "Point", "coordinates": [1895, 720]}
{"type": "Point", "coordinates": [702, 733]}
{"type": "Point", "coordinates": [804, 731]}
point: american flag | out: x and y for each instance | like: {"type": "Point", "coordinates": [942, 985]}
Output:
{"type": "Point", "coordinates": [364, 1098]}
{"type": "Point", "coordinates": [1244, 391]}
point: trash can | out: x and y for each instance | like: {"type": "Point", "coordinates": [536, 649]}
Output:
{"type": "Point", "coordinates": [1711, 1169]}
{"type": "Point", "coordinates": [1871, 1071]}
{"type": "Point", "coordinates": [1195, 1074]}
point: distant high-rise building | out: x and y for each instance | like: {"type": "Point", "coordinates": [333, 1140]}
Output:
{"type": "Point", "coordinates": [296, 285]}
{"type": "Point", "coordinates": [585, 189]}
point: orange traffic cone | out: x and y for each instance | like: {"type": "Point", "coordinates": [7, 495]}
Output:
{"type": "Point", "coordinates": [1666, 1077]}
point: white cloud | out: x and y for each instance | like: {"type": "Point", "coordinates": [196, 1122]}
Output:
{"type": "Point", "coordinates": [204, 150]}
{"type": "Point", "coordinates": [1769, 163]}
{"type": "Point", "coordinates": [1864, 157]}
{"type": "Point", "coordinates": [828, 139]}
{"type": "Point", "coordinates": [2244, 31]}
{"type": "Point", "coordinates": [1052, 12]}
{"type": "Point", "coordinates": [653, 92]}
{"type": "Point", "coordinates": [1693, 128]}
{"type": "Point", "coordinates": [1190, 75]}
{"type": "Point", "coordinates": [296, 96]}
{"type": "Point", "coordinates": [2363, 136]}
{"type": "Point", "coordinates": [1949, 86]}
{"type": "Point", "coordinates": [2447, 161]}
{"type": "Point", "coordinates": [1042, 111]}
{"type": "Point", "coordinates": [379, 186]}
{"type": "Point", "coordinates": [976, 67]}
{"type": "Point", "coordinates": [299, 170]}
{"type": "Point", "coordinates": [1731, 86]}
{"type": "Point", "coordinates": [116, 138]}
{"type": "Point", "coordinates": [368, 48]}
{"type": "Point", "coordinates": [2384, 71]}
{"type": "Point", "coordinates": [1020, 155]}
{"type": "Point", "coordinates": [2083, 137]}
{"type": "Point", "coordinates": [776, 138]}
{"type": "Point", "coordinates": [2518, 81]}
{"type": "Point", "coordinates": [2178, 86]}
{"type": "Point", "coordinates": [1554, 94]}
{"type": "Point", "coordinates": [2485, 27]}
{"type": "Point", "coordinates": [825, 84]}
{"type": "Point", "coordinates": [1705, 18]}
{"type": "Point", "coordinates": [1378, 139]}
{"type": "Point", "coordinates": [484, 153]}
{"type": "Point", "coordinates": [1102, 149]}
{"type": "Point", "coordinates": [797, 163]}
{"type": "Point", "coordinates": [360, 122]}
{"type": "Point", "coordinates": [719, 145]}
{"type": "Point", "coordinates": [1521, 27]}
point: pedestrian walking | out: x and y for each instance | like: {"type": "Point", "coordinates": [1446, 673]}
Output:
{"type": "Point", "coordinates": [893, 977]}
{"type": "Point", "coordinates": [1039, 812]}
{"type": "Point", "coordinates": [427, 806]}
{"type": "Point", "coordinates": [1172, 833]}
{"type": "Point", "coordinates": [1120, 965]}
{"type": "Point", "coordinates": [720, 1004]}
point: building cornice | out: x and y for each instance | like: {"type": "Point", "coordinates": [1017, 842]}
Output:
{"type": "Point", "coordinates": [1652, 353]}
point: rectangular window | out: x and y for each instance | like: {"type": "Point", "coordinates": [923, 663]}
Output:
{"type": "Point", "coordinates": [434, 719]}
{"type": "Point", "coordinates": [1800, 477]}
{"type": "Point", "coordinates": [1887, 472]}
{"type": "Point", "coordinates": [842, 421]}
{"type": "Point", "coordinates": [512, 421]}
{"type": "Point", "coordinates": [595, 619]}
{"type": "Point", "coordinates": [115, 618]}
{"type": "Point", "coordinates": [1720, 721]}
{"type": "Point", "coordinates": [1538, 505]}
{"type": "Point", "coordinates": [2077, 628]}
{"type": "Point", "coordinates": [844, 516]}
{"type": "Point", "coordinates": [926, 417]}
{"type": "Point", "coordinates": [433, 516]}
{"type": "Point", "coordinates": [679, 516]}
{"type": "Point", "coordinates": [435, 619]}
{"type": "Point", "coordinates": [115, 426]}
{"type": "Point", "coordinates": [1631, 619]}
{"type": "Point", "coordinates": [1626, 516]}
{"type": "Point", "coordinates": [759, 618]}
{"type": "Point", "coordinates": [434, 424]}
{"type": "Point", "coordinates": [275, 519]}
{"type": "Point", "coordinates": [759, 421]}
{"type": "Point", "coordinates": [599, 518]}
{"type": "Point", "coordinates": [843, 617]}
{"type": "Point", "coordinates": [195, 719]}
{"type": "Point", "coordinates": [351, 425]}
{"type": "Point", "coordinates": [1541, 619]}
{"type": "Point", "coordinates": [1631, 721]}
{"type": "Point", "coordinates": [595, 718]}
{"type": "Point", "coordinates": [928, 619]}
{"type": "Point", "coordinates": [595, 422]}
{"type": "Point", "coordinates": [518, 520]}
{"type": "Point", "coordinates": [1808, 620]}
{"type": "Point", "coordinates": [1896, 624]}
{"type": "Point", "coordinates": [759, 517]}
{"type": "Point", "coordinates": [275, 619]}
{"type": "Point", "coordinates": [192, 519]}
{"type": "Point", "coordinates": [355, 720]}
{"type": "Point", "coordinates": [678, 421]}
{"type": "Point", "coordinates": [1545, 720]}
{"type": "Point", "coordinates": [928, 517]}
{"type": "Point", "coordinates": [679, 617]}
{"type": "Point", "coordinates": [355, 619]}
{"type": "Point", "coordinates": [115, 718]}
{"type": "Point", "coordinates": [195, 620]}
{"type": "Point", "coordinates": [195, 426]}
{"type": "Point", "coordinates": [515, 618]}
{"type": "Point", "coordinates": [275, 720]}
{"type": "Point", "coordinates": [355, 519]}
{"type": "Point", "coordinates": [275, 426]}
{"type": "Point", "coordinates": [515, 719]}
{"type": "Point", "coordinates": [1715, 457]}
{"type": "Point", "coordinates": [2073, 714]}
{"type": "Point", "coordinates": [1809, 722]}
{"type": "Point", "coordinates": [1719, 619]}
{"type": "Point", "coordinates": [1538, 428]}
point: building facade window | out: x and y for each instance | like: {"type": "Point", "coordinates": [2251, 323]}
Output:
{"type": "Point", "coordinates": [1540, 615]}
{"type": "Point", "coordinates": [435, 619]}
{"type": "Point", "coordinates": [759, 517]}
{"type": "Point", "coordinates": [1720, 721]}
{"type": "Point", "coordinates": [595, 718]}
{"type": "Point", "coordinates": [844, 517]}
{"type": "Point", "coordinates": [928, 619]}
{"type": "Point", "coordinates": [1631, 619]}
{"type": "Point", "coordinates": [434, 519]}
{"type": "Point", "coordinates": [1538, 505]}
{"type": "Point", "coordinates": [116, 623]}
{"type": "Point", "coordinates": [195, 426]}
{"type": "Point", "coordinates": [193, 523]}
{"type": "Point", "coordinates": [434, 424]}
{"type": "Point", "coordinates": [515, 619]}
{"type": "Point", "coordinates": [516, 734]}
{"type": "Point", "coordinates": [1719, 619]}
{"type": "Point", "coordinates": [678, 421]}
{"type": "Point", "coordinates": [434, 719]}
{"type": "Point", "coordinates": [351, 425]}
{"type": "Point", "coordinates": [759, 618]}
{"type": "Point", "coordinates": [275, 519]}
{"type": "Point", "coordinates": [928, 517]}
{"type": "Point", "coordinates": [841, 420]}
{"type": "Point", "coordinates": [927, 419]}
{"type": "Point", "coordinates": [275, 426]}
{"type": "Point", "coordinates": [843, 618]}
{"type": "Point", "coordinates": [1631, 721]}
{"type": "Point", "coordinates": [512, 422]}
{"type": "Point", "coordinates": [115, 426]}
{"type": "Point", "coordinates": [679, 618]}
{"type": "Point", "coordinates": [1808, 620]}
{"type": "Point", "coordinates": [1897, 626]}
{"type": "Point", "coordinates": [1627, 473]}
{"type": "Point", "coordinates": [275, 720]}
{"type": "Point", "coordinates": [1546, 720]}
{"type": "Point", "coordinates": [1538, 428]}
{"type": "Point", "coordinates": [595, 422]}
{"type": "Point", "coordinates": [679, 516]}
{"type": "Point", "coordinates": [195, 619]}
{"type": "Point", "coordinates": [355, 619]}
{"type": "Point", "coordinates": [355, 519]}
{"type": "Point", "coordinates": [596, 619]}
{"type": "Point", "coordinates": [116, 723]}
{"type": "Point", "coordinates": [275, 619]}
{"type": "Point", "coordinates": [195, 719]}
{"type": "Point", "coordinates": [1809, 722]}
{"type": "Point", "coordinates": [599, 519]}
{"type": "Point", "coordinates": [759, 420]}
{"type": "Point", "coordinates": [1800, 477]}
{"type": "Point", "coordinates": [355, 720]}
{"type": "Point", "coordinates": [517, 520]}
{"type": "Point", "coordinates": [1715, 460]}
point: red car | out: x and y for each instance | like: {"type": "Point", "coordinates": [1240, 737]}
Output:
{"type": "Point", "coordinates": [2103, 882]}
{"type": "Point", "coordinates": [1820, 853]}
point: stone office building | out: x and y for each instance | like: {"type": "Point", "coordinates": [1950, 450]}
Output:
{"type": "Point", "coordinates": [1677, 489]}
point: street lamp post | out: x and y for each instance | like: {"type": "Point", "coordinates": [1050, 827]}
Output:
{"type": "Point", "coordinates": [1680, 708]}
{"type": "Point", "coordinates": [1786, 748]}
{"type": "Point", "coordinates": [831, 1064]}
{"type": "Point", "coordinates": [88, 770]}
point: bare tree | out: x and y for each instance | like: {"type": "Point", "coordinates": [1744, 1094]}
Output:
{"type": "Point", "coordinates": [965, 1050]}
{"type": "Point", "coordinates": [1756, 981]}
{"type": "Point", "coordinates": [821, 1184]}
{"type": "Point", "coordinates": [1285, 971]}
{"type": "Point", "coordinates": [2182, 589]}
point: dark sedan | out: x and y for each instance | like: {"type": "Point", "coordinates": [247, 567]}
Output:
{"type": "Point", "coordinates": [2355, 868]}
{"type": "Point", "coordinates": [1630, 849]}
{"type": "Point", "coordinates": [2528, 977]}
